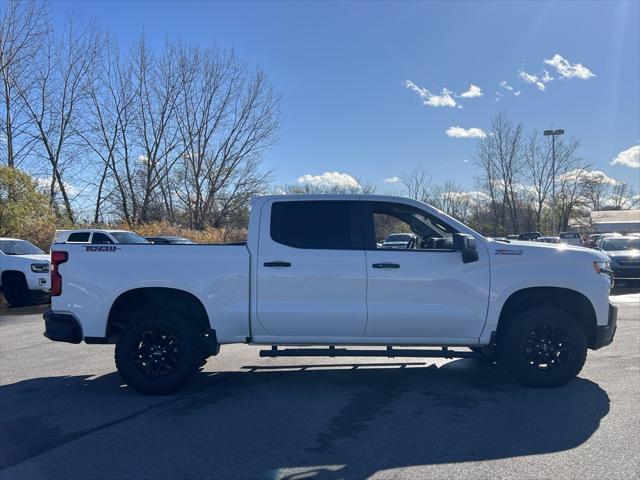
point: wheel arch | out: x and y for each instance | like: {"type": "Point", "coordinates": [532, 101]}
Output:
{"type": "Point", "coordinates": [571, 301]}
{"type": "Point", "coordinates": [143, 300]}
{"type": "Point", "coordinates": [11, 273]}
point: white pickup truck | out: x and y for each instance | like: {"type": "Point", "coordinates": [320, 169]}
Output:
{"type": "Point", "coordinates": [313, 273]}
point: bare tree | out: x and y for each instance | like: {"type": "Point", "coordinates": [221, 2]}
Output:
{"type": "Point", "coordinates": [540, 173]}
{"type": "Point", "coordinates": [53, 100]}
{"type": "Point", "coordinates": [502, 162]}
{"type": "Point", "coordinates": [623, 197]}
{"type": "Point", "coordinates": [106, 130]}
{"type": "Point", "coordinates": [570, 194]}
{"type": "Point", "coordinates": [23, 23]}
{"type": "Point", "coordinates": [452, 199]}
{"type": "Point", "coordinates": [227, 117]}
{"type": "Point", "coordinates": [596, 187]}
{"type": "Point", "coordinates": [158, 89]}
{"type": "Point", "coordinates": [417, 184]}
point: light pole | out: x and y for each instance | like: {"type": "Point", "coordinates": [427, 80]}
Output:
{"type": "Point", "coordinates": [553, 134]}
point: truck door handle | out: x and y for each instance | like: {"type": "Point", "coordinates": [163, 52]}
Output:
{"type": "Point", "coordinates": [277, 264]}
{"type": "Point", "coordinates": [385, 265]}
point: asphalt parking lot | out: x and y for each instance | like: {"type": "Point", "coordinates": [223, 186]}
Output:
{"type": "Point", "coordinates": [64, 414]}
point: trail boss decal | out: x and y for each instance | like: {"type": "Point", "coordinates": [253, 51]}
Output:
{"type": "Point", "coordinates": [101, 248]}
{"type": "Point", "coordinates": [508, 252]}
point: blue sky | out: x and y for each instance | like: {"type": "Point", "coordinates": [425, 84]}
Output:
{"type": "Point", "coordinates": [341, 68]}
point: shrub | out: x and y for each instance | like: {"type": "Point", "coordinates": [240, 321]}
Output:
{"type": "Point", "coordinates": [24, 211]}
{"type": "Point", "coordinates": [208, 235]}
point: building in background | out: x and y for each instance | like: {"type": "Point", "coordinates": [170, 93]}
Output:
{"type": "Point", "coordinates": [621, 221]}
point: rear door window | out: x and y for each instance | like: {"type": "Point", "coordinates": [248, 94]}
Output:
{"type": "Point", "coordinates": [79, 237]}
{"type": "Point", "coordinates": [100, 239]}
{"type": "Point", "coordinates": [322, 225]}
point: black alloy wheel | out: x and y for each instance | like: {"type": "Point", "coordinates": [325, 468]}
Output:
{"type": "Point", "coordinates": [157, 353]}
{"type": "Point", "coordinates": [547, 347]}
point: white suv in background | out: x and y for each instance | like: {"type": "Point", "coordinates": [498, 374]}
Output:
{"type": "Point", "coordinates": [97, 236]}
{"type": "Point", "coordinates": [571, 238]}
{"type": "Point", "coordinates": [24, 271]}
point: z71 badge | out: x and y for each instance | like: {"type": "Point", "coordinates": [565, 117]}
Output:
{"type": "Point", "coordinates": [101, 248]}
{"type": "Point", "coordinates": [508, 252]}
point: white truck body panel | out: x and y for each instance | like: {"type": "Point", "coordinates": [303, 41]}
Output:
{"type": "Point", "coordinates": [330, 296]}
{"type": "Point", "coordinates": [95, 276]}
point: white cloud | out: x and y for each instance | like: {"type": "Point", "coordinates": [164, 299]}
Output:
{"type": "Point", "coordinates": [142, 158]}
{"type": "Point", "coordinates": [473, 198]}
{"type": "Point", "coordinates": [473, 92]}
{"type": "Point", "coordinates": [445, 99]}
{"type": "Point", "coordinates": [536, 80]}
{"type": "Point", "coordinates": [330, 180]}
{"type": "Point", "coordinates": [392, 180]}
{"type": "Point", "coordinates": [44, 183]}
{"type": "Point", "coordinates": [505, 85]}
{"type": "Point", "coordinates": [459, 132]}
{"type": "Point", "coordinates": [628, 158]}
{"type": "Point", "coordinates": [568, 70]}
{"type": "Point", "coordinates": [545, 77]}
{"type": "Point", "coordinates": [588, 175]}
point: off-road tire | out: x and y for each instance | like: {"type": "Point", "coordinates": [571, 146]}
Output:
{"type": "Point", "coordinates": [136, 361]}
{"type": "Point", "coordinates": [544, 347]}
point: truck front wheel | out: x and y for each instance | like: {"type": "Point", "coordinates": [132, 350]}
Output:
{"type": "Point", "coordinates": [157, 355]}
{"type": "Point", "coordinates": [544, 347]}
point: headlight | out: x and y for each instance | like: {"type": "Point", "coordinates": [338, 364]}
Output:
{"type": "Point", "coordinates": [40, 267]}
{"type": "Point", "coordinates": [602, 267]}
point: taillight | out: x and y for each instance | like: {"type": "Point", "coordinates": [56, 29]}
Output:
{"type": "Point", "coordinates": [56, 279]}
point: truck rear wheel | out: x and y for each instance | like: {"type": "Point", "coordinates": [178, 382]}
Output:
{"type": "Point", "coordinates": [158, 354]}
{"type": "Point", "coordinates": [544, 347]}
{"type": "Point", "coordinates": [16, 290]}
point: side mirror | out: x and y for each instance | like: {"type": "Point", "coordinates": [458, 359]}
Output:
{"type": "Point", "coordinates": [465, 243]}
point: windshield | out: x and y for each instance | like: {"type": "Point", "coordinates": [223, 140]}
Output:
{"type": "Point", "coordinates": [614, 244]}
{"type": "Point", "coordinates": [18, 247]}
{"type": "Point", "coordinates": [398, 238]}
{"type": "Point", "coordinates": [128, 237]}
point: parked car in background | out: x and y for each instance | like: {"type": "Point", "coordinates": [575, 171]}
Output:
{"type": "Point", "coordinates": [97, 236]}
{"type": "Point", "coordinates": [605, 236]}
{"type": "Point", "coordinates": [400, 240]}
{"type": "Point", "coordinates": [529, 236]}
{"type": "Point", "coordinates": [512, 237]}
{"type": "Point", "coordinates": [571, 238]}
{"type": "Point", "coordinates": [592, 240]}
{"type": "Point", "coordinates": [169, 240]}
{"type": "Point", "coordinates": [24, 271]}
{"type": "Point", "coordinates": [624, 253]}
{"type": "Point", "coordinates": [548, 239]}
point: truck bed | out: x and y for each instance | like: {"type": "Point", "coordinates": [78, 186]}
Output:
{"type": "Point", "coordinates": [94, 276]}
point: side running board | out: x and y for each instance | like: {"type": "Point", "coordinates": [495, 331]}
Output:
{"type": "Point", "coordinates": [389, 352]}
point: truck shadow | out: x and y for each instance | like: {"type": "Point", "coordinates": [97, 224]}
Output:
{"type": "Point", "coordinates": [296, 421]}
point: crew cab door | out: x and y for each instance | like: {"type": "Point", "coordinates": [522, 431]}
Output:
{"type": "Point", "coordinates": [423, 290]}
{"type": "Point", "coordinates": [311, 272]}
